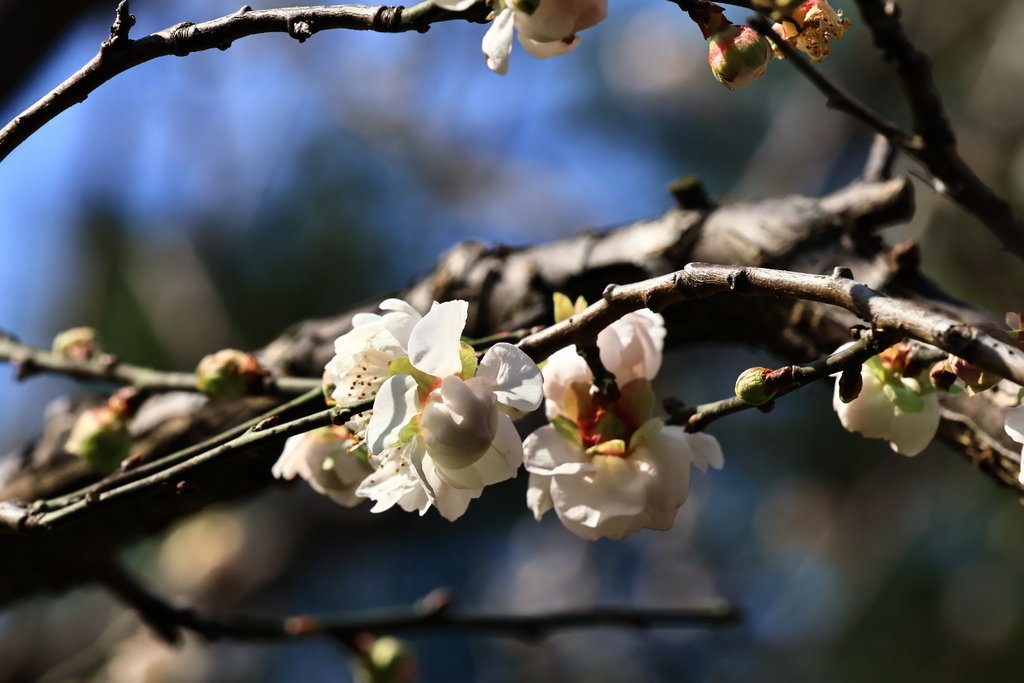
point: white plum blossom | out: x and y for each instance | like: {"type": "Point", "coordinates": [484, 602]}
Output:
{"type": "Point", "coordinates": [441, 430]}
{"type": "Point", "coordinates": [329, 460]}
{"type": "Point", "coordinates": [361, 356]}
{"type": "Point", "coordinates": [547, 28]}
{"type": "Point", "coordinates": [609, 471]}
{"type": "Point", "coordinates": [1014, 426]}
{"type": "Point", "coordinates": [890, 407]}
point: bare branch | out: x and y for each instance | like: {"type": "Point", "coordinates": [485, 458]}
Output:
{"type": "Point", "coordinates": [30, 360]}
{"type": "Point", "coordinates": [119, 54]}
{"type": "Point", "coordinates": [431, 614]}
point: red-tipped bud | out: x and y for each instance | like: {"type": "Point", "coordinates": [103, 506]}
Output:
{"type": "Point", "coordinates": [229, 373]}
{"type": "Point", "coordinates": [752, 386]}
{"type": "Point", "coordinates": [738, 55]}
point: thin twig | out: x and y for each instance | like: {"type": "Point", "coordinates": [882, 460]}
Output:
{"type": "Point", "coordinates": [121, 53]}
{"type": "Point", "coordinates": [145, 469]}
{"type": "Point", "coordinates": [792, 377]}
{"type": "Point", "coordinates": [431, 614]}
{"type": "Point", "coordinates": [181, 471]}
{"type": "Point", "coordinates": [29, 360]}
{"type": "Point", "coordinates": [835, 96]}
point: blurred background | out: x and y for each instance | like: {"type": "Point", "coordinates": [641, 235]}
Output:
{"type": "Point", "coordinates": [192, 204]}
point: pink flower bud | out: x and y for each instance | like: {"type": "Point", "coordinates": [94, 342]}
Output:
{"type": "Point", "coordinates": [738, 55]}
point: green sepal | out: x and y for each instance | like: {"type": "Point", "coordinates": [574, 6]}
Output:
{"type": "Point", "coordinates": [468, 357]}
{"type": "Point", "coordinates": [610, 427]}
{"type": "Point", "coordinates": [568, 430]}
{"type": "Point", "coordinates": [875, 366]}
{"type": "Point", "coordinates": [404, 366]}
{"type": "Point", "coordinates": [903, 398]}
{"type": "Point", "coordinates": [647, 429]}
{"type": "Point", "coordinates": [408, 433]}
{"type": "Point", "coordinates": [563, 307]}
{"type": "Point", "coordinates": [612, 447]}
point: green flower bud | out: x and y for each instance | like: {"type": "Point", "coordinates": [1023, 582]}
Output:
{"type": "Point", "coordinates": [738, 55]}
{"type": "Point", "coordinates": [752, 386]}
{"type": "Point", "coordinates": [101, 438]}
{"type": "Point", "coordinates": [229, 373]}
{"type": "Point", "coordinates": [385, 660]}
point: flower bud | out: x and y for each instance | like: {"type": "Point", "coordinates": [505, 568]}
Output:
{"type": "Point", "coordinates": [384, 660]}
{"type": "Point", "coordinates": [78, 344]}
{"type": "Point", "coordinates": [752, 386]}
{"type": "Point", "coordinates": [101, 438]}
{"type": "Point", "coordinates": [459, 422]}
{"type": "Point", "coordinates": [738, 55]}
{"type": "Point", "coordinates": [229, 373]}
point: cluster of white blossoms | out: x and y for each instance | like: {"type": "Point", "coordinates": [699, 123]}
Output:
{"type": "Point", "coordinates": [610, 470]}
{"type": "Point", "coordinates": [441, 429]}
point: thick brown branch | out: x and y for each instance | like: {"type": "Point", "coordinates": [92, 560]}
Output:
{"type": "Point", "coordinates": [120, 53]}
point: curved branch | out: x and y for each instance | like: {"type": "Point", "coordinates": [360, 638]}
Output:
{"type": "Point", "coordinates": [120, 53]}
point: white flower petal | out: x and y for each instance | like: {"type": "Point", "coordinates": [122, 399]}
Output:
{"type": "Point", "coordinates": [912, 432]}
{"type": "Point", "coordinates": [631, 347]}
{"type": "Point", "coordinates": [435, 343]}
{"type": "Point", "coordinates": [451, 502]}
{"type": "Point", "coordinates": [456, 6]}
{"type": "Point", "coordinates": [515, 378]}
{"type": "Point", "coordinates": [395, 480]}
{"type": "Point", "coordinates": [459, 422]}
{"type": "Point", "coordinates": [396, 404]}
{"type": "Point", "coordinates": [546, 452]}
{"type": "Point", "coordinates": [563, 369]}
{"type": "Point", "coordinates": [609, 503]}
{"type": "Point", "coordinates": [1014, 424]}
{"type": "Point", "coordinates": [549, 48]}
{"type": "Point", "coordinates": [538, 495]}
{"type": "Point", "coordinates": [871, 413]}
{"type": "Point", "coordinates": [497, 43]}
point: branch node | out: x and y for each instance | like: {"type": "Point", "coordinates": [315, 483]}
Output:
{"type": "Point", "coordinates": [609, 293]}
{"type": "Point", "coordinates": [123, 22]}
{"type": "Point", "coordinates": [842, 273]}
{"type": "Point", "coordinates": [244, 9]}
{"type": "Point", "coordinates": [300, 30]}
{"type": "Point", "coordinates": [180, 35]}
{"type": "Point", "coordinates": [689, 193]}
{"type": "Point", "coordinates": [388, 19]}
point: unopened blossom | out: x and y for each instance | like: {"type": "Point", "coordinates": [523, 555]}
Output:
{"type": "Point", "coordinates": [738, 55]}
{"type": "Point", "coordinates": [329, 460]}
{"type": "Point", "coordinates": [547, 28]}
{"type": "Point", "coordinates": [810, 28]}
{"type": "Point", "coordinates": [1014, 426]}
{"type": "Point", "coordinates": [440, 429]}
{"type": "Point", "coordinates": [892, 407]}
{"type": "Point", "coordinates": [610, 470]}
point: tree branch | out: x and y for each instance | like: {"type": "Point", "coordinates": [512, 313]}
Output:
{"type": "Point", "coordinates": [431, 614]}
{"type": "Point", "coordinates": [29, 360]}
{"type": "Point", "coordinates": [120, 53]}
